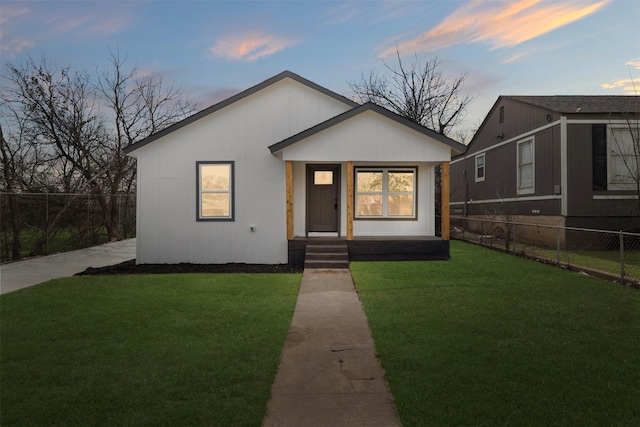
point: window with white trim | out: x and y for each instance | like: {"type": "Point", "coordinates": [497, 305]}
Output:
{"type": "Point", "coordinates": [526, 167]}
{"type": "Point", "coordinates": [624, 158]}
{"type": "Point", "coordinates": [385, 193]}
{"type": "Point", "coordinates": [215, 191]}
{"type": "Point", "coordinates": [480, 168]}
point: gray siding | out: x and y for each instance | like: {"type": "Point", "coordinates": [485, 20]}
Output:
{"type": "Point", "coordinates": [501, 163]}
{"type": "Point", "coordinates": [611, 209]}
{"type": "Point", "coordinates": [518, 119]}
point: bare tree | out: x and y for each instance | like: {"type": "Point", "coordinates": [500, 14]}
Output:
{"type": "Point", "coordinates": [59, 109]}
{"type": "Point", "coordinates": [502, 221]}
{"type": "Point", "coordinates": [9, 178]}
{"type": "Point", "coordinates": [136, 108]}
{"type": "Point", "coordinates": [421, 93]}
{"type": "Point", "coordinates": [625, 149]}
{"type": "Point", "coordinates": [24, 167]}
{"type": "Point", "coordinates": [78, 124]}
{"type": "Point", "coordinates": [417, 91]}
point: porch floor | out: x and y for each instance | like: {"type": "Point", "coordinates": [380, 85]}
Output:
{"type": "Point", "coordinates": [377, 248]}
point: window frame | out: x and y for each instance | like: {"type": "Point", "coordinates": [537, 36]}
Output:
{"type": "Point", "coordinates": [483, 167]}
{"type": "Point", "coordinates": [385, 193]}
{"type": "Point", "coordinates": [529, 189]}
{"type": "Point", "coordinates": [612, 183]}
{"type": "Point", "coordinates": [200, 191]}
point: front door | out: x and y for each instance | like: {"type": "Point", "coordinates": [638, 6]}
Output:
{"type": "Point", "coordinates": [323, 197]}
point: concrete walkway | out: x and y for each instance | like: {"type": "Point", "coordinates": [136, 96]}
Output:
{"type": "Point", "coordinates": [21, 274]}
{"type": "Point", "coordinates": [329, 374]}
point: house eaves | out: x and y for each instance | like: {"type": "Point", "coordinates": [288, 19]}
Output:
{"type": "Point", "coordinates": [368, 106]}
{"type": "Point", "coordinates": [244, 94]}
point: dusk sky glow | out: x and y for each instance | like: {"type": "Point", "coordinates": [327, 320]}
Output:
{"type": "Point", "coordinates": [213, 49]}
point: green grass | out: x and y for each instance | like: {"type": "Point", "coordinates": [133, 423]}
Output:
{"type": "Point", "coordinates": [606, 261]}
{"type": "Point", "coordinates": [153, 350]}
{"type": "Point", "coordinates": [62, 239]}
{"type": "Point", "coordinates": [491, 339]}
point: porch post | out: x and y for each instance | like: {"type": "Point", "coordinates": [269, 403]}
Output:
{"type": "Point", "coordinates": [349, 200]}
{"type": "Point", "coordinates": [445, 220]}
{"type": "Point", "coordinates": [289, 169]}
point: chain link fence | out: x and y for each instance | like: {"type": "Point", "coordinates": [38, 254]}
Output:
{"type": "Point", "coordinates": [606, 254]}
{"type": "Point", "coordinates": [47, 223]}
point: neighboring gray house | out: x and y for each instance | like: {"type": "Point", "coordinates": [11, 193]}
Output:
{"type": "Point", "coordinates": [253, 178]}
{"type": "Point", "coordinates": [555, 160]}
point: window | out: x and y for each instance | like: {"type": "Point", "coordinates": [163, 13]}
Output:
{"type": "Point", "coordinates": [323, 178]}
{"type": "Point", "coordinates": [624, 158]}
{"type": "Point", "coordinates": [599, 151]}
{"type": "Point", "coordinates": [526, 167]}
{"type": "Point", "coordinates": [480, 169]}
{"type": "Point", "coordinates": [215, 191]}
{"type": "Point", "coordinates": [385, 193]}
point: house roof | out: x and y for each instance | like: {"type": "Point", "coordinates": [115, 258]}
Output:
{"type": "Point", "coordinates": [582, 104]}
{"type": "Point", "coordinates": [216, 107]}
{"type": "Point", "coordinates": [570, 104]}
{"type": "Point", "coordinates": [368, 106]}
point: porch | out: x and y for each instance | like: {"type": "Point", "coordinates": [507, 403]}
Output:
{"type": "Point", "coordinates": [375, 248]}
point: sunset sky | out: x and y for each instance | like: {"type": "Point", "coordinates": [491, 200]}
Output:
{"type": "Point", "coordinates": [213, 49]}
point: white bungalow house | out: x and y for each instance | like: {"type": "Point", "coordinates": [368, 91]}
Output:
{"type": "Point", "coordinates": [254, 178]}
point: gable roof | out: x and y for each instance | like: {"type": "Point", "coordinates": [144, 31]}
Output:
{"type": "Point", "coordinates": [582, 104]}
{"type": "Point", "coordinates": [244, 94]}
{"type": "Point", "coordinates": [368, 106]}
{"type": "Point", "coordinates": [570, 104]}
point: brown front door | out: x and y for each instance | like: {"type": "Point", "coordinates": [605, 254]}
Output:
{"type": "Point", "coordinates": [323, 197]}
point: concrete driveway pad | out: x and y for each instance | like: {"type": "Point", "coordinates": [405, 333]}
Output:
{"type": "Point", "coordinates": [21, 274]}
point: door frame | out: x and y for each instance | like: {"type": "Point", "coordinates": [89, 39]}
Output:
{"type": "Point", "coordinates": [337, 184]}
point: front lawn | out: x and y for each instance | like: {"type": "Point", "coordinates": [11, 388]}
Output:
{"type": "Point", "coordinates": [491, 339]}
{"type": "Point", "coordinates": [175, 349]}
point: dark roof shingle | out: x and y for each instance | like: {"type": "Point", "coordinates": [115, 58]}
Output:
{"type": "Point", "coordinates": [572, 104]}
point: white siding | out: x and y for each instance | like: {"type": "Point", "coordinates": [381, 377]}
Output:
{"type": "Point", "coordinates": [242, 132]}
{"type": "Point", "coordinates": [368, 137]}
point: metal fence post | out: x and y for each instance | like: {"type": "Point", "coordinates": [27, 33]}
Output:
{"type": "Point", "coordinates": [88, 221]}
{"type": "Point", "coordinates": [558, 244]}
{"type": "Point", "coordinates": [46, 222]}
{"type": "Point", "coordinates": [464, 228]}
{"type": "Point", "coordinates": [484, 232]}
{"type": "Point", "coordinates": [621, 258]}
{"type": "Point", "coordinates": [119, 199]}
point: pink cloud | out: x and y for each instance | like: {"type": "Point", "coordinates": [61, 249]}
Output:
{"type": "Point", "coordinates": [95, 22]}
{"type": "Point", "coordinates": [497, 23]}
{"type": "Point", "coordinates": [630, 86]}
{"type": "Point", "coordinates": [15, 45]}
{"type": "Point", "coordinates": [11, 12]}
{"type": "Point", "coordinates": [11, 45]}
{"type": "Point", "coordinates": [250, 47]}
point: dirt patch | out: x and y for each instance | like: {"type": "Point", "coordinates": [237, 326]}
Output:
{"type": "Point", "coordinates": [130, 267]}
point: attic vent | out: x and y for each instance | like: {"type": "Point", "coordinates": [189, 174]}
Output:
{"type": "Point", "coordinates": [502, 114]}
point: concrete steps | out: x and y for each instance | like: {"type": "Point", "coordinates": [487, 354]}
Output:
{"type": "Point", "coordinates": [326, 255]}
